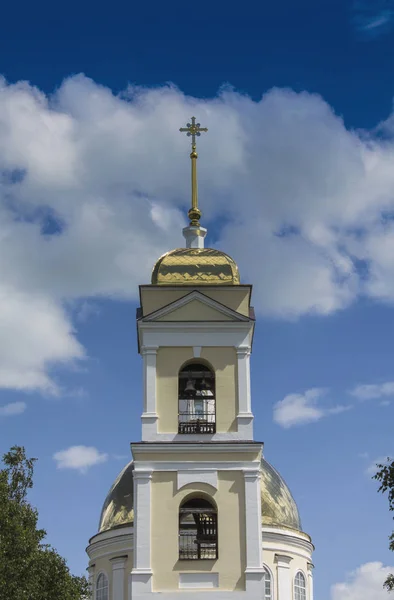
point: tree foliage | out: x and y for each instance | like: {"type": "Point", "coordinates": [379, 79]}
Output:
{"type": "Point", "coordinates": [29, 569]}
{"type": "Point", "coordinates": [385, 476]}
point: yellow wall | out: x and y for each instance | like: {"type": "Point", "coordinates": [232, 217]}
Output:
{"type": "Point", "coordinates": [196, 311]}
{"type": "Point", "coordinates": [230, 500]}
{"type": "Point", "coordinates": [155, 297]}
{"type": "Point", "coordinates": [223, 362]}
{"type": "Point", "coordinates": [104, 564]}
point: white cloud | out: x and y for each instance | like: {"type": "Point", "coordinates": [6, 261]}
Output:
{"type": "Point", "coordinates": [300, 409]}
{"type": "Point", "coordinates": [365, 582]}
{"type": "Point", "coordinates": [12, 409]}
{"type": "Point", "coordinates": [373, 391]}
{"type": "Point", "coordinates": [94, 188]}
{"type": "Point", "coordinates": [80, 458]}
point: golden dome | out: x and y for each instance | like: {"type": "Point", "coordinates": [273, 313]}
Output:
{"type": "Point", "coordinates": [278, 507]}
{"type": "Point", "coordinates": [201, 266]}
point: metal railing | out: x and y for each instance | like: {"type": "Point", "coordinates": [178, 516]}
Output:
{"type": "Point", "coordinates": [191, 549]}
{"type": "Point", "coordinates": [201, 423]}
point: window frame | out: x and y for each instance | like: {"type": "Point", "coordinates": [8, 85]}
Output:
{"type": "Point", "coordinates": [101, 574]}
{"type": "Point", "coordinates": [300, 589]}
{"type": "Point", "coordinates": [190, 420]}
{"type": "Point", "coordinates": [268, 572]}
{"type": "Point", "coordinates": [188, 541]}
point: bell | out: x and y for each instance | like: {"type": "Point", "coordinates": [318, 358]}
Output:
{"type": "Point", "coordinates": [190, 389]}
{"type": "Point", "coordinates": [205, 385]}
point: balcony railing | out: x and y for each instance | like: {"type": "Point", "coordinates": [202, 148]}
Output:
{"type": "Point", "coordinates": [202, 423]}
{"type": "Point", "coordinates": [191, 549]}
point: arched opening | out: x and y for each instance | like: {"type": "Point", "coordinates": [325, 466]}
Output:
{"type": "Point", "coordinates": [196, 397]}
{"type": "Point", "coordinates": [267, 584]}
{"type": "Point", "coordinates": [198, 530]}
{"type": "Point", "coordinates": [299, 587]}
{"type": "Point", "coordinates": [102, 592]}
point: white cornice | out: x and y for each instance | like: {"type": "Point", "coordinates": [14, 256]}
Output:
{"type": "Point", "coordinates": [148, 448]}
{"type": "Point", "coordinates": [200, 297]}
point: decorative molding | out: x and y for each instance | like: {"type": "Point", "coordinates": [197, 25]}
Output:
{"type": "Point", "coordinates": [283, 560]}
{"type": "Point", "coordinates": [197, 581]}
{"type": "Point", "coordinates": [239, 448]}
{"type": "Point", "coordinates": [191, 297]}
{"type": "Point", "coordinates": [207, 477]}
{"type": "Point", "coordinates": [196, 351]}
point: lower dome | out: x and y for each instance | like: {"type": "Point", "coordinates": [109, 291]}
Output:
{"type": "Point", "coordinates": [278, 507]}
{"type": "Point", "coordinates": [202, 266]}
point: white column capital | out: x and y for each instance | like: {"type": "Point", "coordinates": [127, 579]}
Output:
{"type": "Point", "coordinates": [118, 562]}
{"type": "Point", "coordinates": [283, 561]}
{"type": "Point", "coordinates": [310, 567]}
{"type": "Point", "coordinates": [242, 350]}
{"type": "Point", "coordinates": [252, 474]}
{"type": "Point", "coordinates": [149, 349]}
{"type": "Point", "coordinates": [142, 474]}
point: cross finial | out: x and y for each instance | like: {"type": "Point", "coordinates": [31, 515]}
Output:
{"type": "Point", "coordinates": [194, 130]}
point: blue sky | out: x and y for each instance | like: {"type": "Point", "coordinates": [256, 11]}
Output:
{"type": "Point", "coordinates": [296, 183]}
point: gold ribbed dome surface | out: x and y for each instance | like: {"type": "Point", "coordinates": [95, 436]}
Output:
{"type": "Point", "coordinates": [202, 266]}
{"type": "Point", "coordinates": [278, 507]}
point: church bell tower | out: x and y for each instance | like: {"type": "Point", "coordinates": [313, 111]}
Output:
{"type": "Point", "coordinates": [197, 498]}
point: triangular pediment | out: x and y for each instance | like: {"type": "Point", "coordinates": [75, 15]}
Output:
{"type": "Point", "coordinates": [195, 307]}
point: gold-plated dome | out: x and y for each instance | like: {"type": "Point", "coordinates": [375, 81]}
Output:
{"type": "Point", "coordinates": [278, 507]}
{"type": "Point", "coordinates": [201, 266]}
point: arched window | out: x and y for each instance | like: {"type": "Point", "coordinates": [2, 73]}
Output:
{"type": "Point", "coordinates": [196, 395]}
{"type": "Point", "coordinates": [299, 587]}
{"type": "Point", "coordinates": [267, 585]}
{"type": "Point", "coordinates": [198, 530]}
{"type": "Point", "coordinates": [102, 587]}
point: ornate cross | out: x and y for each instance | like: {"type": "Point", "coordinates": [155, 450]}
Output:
{"type": "Point", "coordinates": [193, 129]}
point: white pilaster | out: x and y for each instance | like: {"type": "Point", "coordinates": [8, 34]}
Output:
{"type": "Point", "coordinates": [284, 579]}
{"type": "Point", "coordinates": [118, 576]}
{"type": "Point", "coordinates": [245, 415]}
{"type": "Point", "coordinates": [141, 573]}
{"type": "Point", "coordinates": [149, 416]}
{"type": "Point", "coordinates": [90, 571]}
{"type": "Point", "coordinates": [310, 581]}
{"type": "Point", "coordinates": [254, 558]}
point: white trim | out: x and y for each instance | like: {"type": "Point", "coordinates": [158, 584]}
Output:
{"type": "Point", "coordinates": [191, 297]}
{"type": "Point", "coordinates": [310, 568]}
{"type": "Point", "coordinates": [101, 572]}
{"type": "Point", "coordinates": [118, 571]}
{"type": "Point", "coordinates": [151, 435]}
{"type": "Point", "coordinates": [243, 367]}
{"type": "Point", "coordinates": [197, 447]}
{"type": "Point", "coordinates": [253, 520]}
{"type": "Point", "coordinates": [204, 334]}
{"type": "Point", "coordinates": [198, 581]}
{"type": "Point", "coordinates": [283, 576]}
{"type": "Point", "coordinates": [194, 476]}
{"type": "Point", "coordinates": [272, 580]}
{"type": "Point", "coordinates": [204, 466]}
{"type": "Point", "coordinates": [142, 481]}
{"type": "Point", "coordinates": [149, 355]}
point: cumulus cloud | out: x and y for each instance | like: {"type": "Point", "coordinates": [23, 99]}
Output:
{"type": "Point", "coordinates": [373, 391]}
{"type": "Point", "coordinates": [94, 187]}
{"type": "Point", "coordinates": [365, 582]}
{"type": "Point", "coordinates": [80, 458]}
{"type": "Point", "coordinates": [12, 409]}
{"type": "Point", "coordinates": [300, 409]}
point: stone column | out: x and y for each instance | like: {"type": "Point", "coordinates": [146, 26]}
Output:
{"type": "Point", "coordinates": [141, 574]}
{"type": "Point", "coordinates": [245, 415]}
{"type": "Point", "coordinates": [90, 570]}
{"type": "Point", "coordinates": [118, 574]}
{"type": "Point", "coordinates": [284, 579]}
{"type": "Point", "coordinates": [310, 581]}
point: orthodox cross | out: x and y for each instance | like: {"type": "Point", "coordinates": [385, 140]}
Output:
{"type": "Point", "coordinates": [194, 130]}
